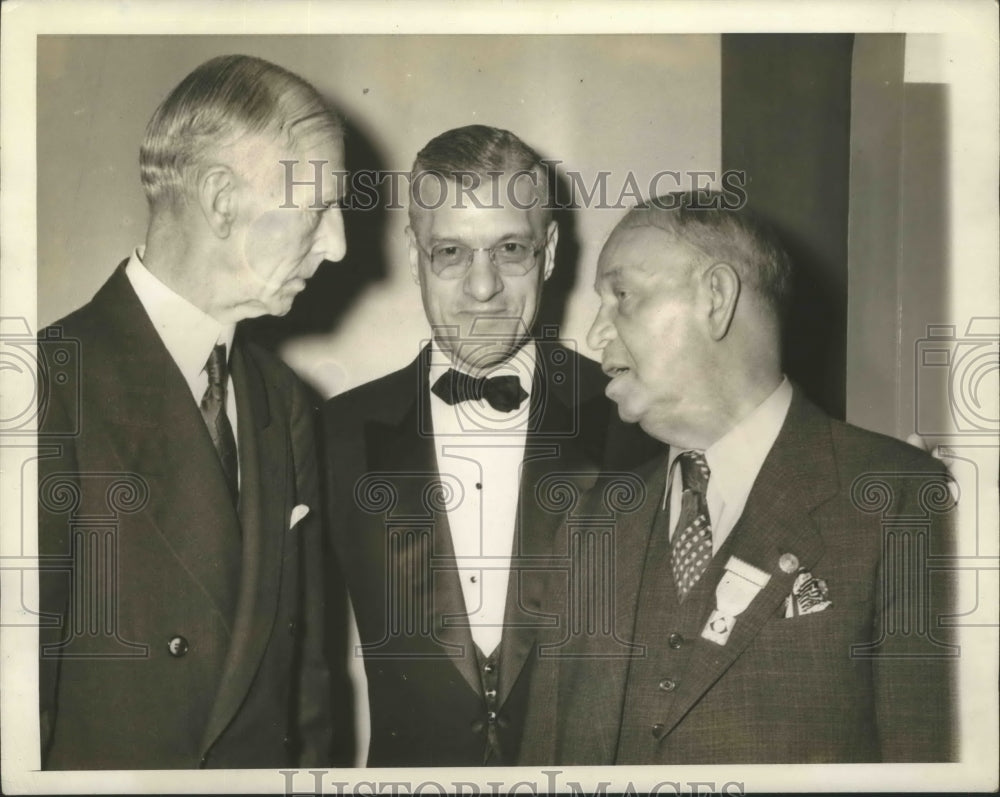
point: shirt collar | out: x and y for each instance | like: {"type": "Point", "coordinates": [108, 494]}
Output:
{"type": "Point", "coordinates": [188, 333]}
{"type": "Point", "coordinates": [736, 458]}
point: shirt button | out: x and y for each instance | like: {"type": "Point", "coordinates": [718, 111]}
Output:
{"type": "Point", "coordinates": [479, 485]}
{"type": "Point", "coordinates": [667, 685]}
{"type": "Point", "coordinates": [177, 646]}
{"type": "Point", "coordinates": [675, 641]}
{"type": "Point", "coordinates": [657, 730]}
{"type": "Point", "coordinates": [473, 579]}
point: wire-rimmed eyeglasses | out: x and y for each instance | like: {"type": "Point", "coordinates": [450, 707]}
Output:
{"type": "Point", "coordinates": [512, 257]}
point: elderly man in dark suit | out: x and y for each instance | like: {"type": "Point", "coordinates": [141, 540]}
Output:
{"type": "Point", "coordinates": [442, 485]}
{"type": "Point", "coordinates": [775, 590]}
{"type": "Point", "coordinates": [178, 522]}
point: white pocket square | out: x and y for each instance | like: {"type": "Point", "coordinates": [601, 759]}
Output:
{"type": "Point", "coordinates": [299, 512]}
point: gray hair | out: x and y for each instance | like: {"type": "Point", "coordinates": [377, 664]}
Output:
{"type": "Point", "coordinates": [736, 236]}
{"type": "Point", "coordinates": [218, 103]}
{"type": "Point", "coordinates": [479, 152]}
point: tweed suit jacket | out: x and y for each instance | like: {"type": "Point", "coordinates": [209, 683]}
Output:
{"type": "Point", "coordinates": [174, 633]}
{"type": "Point", "coordinates": [868, 679]}
{"type": "Point", "coordinates": [428, 684]}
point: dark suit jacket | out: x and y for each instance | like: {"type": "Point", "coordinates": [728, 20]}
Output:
{"type": "Point", "coordinates": [176, 633]}
{"type": "Point", "coordinates": [868, 679]}
{"type": "Point", "coordinates": [427, 684]}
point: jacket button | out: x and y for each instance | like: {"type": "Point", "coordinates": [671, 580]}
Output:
{"type": "Point", "coordinates": [292, 628]}
{"type": "Point", "coordinates": [666, 685]}
{"type": "Point", "coordinates": [177, 646]}
{"type": "Point", "coordinates": [657, 730]}
{"type": "Point", "coordinates": [675, 641]}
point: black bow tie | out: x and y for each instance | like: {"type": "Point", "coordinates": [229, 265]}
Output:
{"type": "Point", "coordinates": [503, 393]}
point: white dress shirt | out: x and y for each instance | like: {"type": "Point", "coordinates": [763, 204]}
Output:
{"type": "Point", "coordinates": [479, 455]}
{"type": "Point", "coordinates": [734, 461]}
{"type": "Point", "coordinates": [188, 333]}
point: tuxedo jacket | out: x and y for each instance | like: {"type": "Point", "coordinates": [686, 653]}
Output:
{"type": "Point", "coordinates": [434, 699]}
{"type": "Point", "coordinates": [867, 679]}
{"type": "Point", "coordinates": [177, 631]}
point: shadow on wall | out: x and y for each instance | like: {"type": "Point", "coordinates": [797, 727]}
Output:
{"type": "Point", "coordinates": [813, 339]}
{"type": "Point", "coordinates": [335, 287]}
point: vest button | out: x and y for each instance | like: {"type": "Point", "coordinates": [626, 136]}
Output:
{"type": "Point", "coordinates": [657, 730]}
{"type": "Point", "coordinates": [488, 667]}
{"type": "Point", "coordinates": [675, 641]}
{"type": "Point", "coordinates": [491, 716]}
{"type": "Point", "coordinates": [177, 646]}
{"type": "Point", "coordinates": [667, 685]}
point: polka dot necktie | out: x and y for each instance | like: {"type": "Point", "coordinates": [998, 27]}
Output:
{"type": "Point", "coordinates": [691, 549]}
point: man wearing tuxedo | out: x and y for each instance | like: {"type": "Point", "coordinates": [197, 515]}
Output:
{"type": "Point", "coordinates": [778, 581]}
{"type": "Point", "coordinates": [444, 486]}
{"type": "Point", "coordinates": [178, 522]}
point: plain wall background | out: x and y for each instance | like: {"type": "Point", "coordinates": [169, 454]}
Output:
{"type": "Point", "coordinates": [622, 104]}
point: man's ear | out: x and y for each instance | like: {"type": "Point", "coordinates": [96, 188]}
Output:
{"type": "Point", "coordinates": [551, 239]}
{"type": "Point", "coordinates": [723, 285]}
{"type": "Point", "coordinates": [217, 197]}
{"type": "Point", "coordinates": [414, 252]}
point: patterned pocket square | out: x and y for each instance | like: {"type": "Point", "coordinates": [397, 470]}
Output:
{"type": "Point", "coordinates": [299, 512]}
{"type": "Point", "coordinates": [808, 596]}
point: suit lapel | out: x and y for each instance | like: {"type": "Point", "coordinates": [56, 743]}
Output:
{"type": "Point", "coordinates": [265, 508]}
{"type": "Point", "coordinates": [157, 432]}
{"type": "Point", "coordinates": [401, 447]}
{"type": "Point", "coordinates": [797, 476]}
{"type": "Point", "coordinates": [548, 450]}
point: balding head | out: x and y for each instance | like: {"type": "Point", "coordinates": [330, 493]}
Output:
{"type": "Point", "coordinates": [737, 237]}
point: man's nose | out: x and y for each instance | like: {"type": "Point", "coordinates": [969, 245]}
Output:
{"type": "Point", "coordinates": [601, 331]}
{"type": "Point", "coordinates": [482, 282]}
{"type": "Point", "coordinates": [330, 240]}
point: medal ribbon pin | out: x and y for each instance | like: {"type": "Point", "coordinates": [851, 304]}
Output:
{"type": "Point", "coordinates": [737, 588]}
